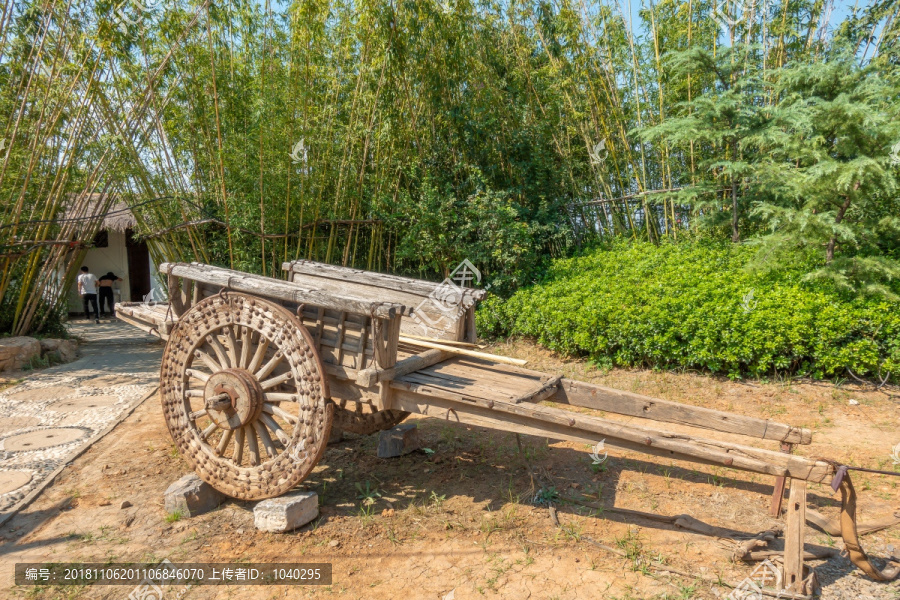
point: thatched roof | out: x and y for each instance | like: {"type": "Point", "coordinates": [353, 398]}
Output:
{"type": "Point", "coordinates": [87, 208]}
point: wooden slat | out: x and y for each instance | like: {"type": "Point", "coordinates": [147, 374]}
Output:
{"type": "Point", "coordinates": [268, 287]}
{"type": "Point", "coordinates": [588, 395]}
{"type": "Point", "coordinates": [463, 351]}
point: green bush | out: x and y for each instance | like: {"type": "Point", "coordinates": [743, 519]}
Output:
{"type": "Point", "coordinates": [697, 305]}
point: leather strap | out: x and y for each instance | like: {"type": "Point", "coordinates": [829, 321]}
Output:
{"type": "Point", "coordinates": [858, 556]}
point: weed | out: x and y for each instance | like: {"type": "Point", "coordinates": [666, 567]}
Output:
{"type": "Point", "coordinates": [368, 495]}
{"type": "Point", "coordinates": [193, 535]}
{"type": "Point", "coordinates": [573, 531]}
{"type": "Point", "coordinates": [366, 514]}
{"type": "Point", "coordinates": [686, 592]}
{"type": "Point", "coordinates": [546, 496]}
{"type": "Point", "coordinates": [392, 536]}
{"type": "Point", "coordinates": [436, 501]}
{"type": "Point", "coordinates": [173, 517]}
{"type": "Point", "coordinates": [633, 547]}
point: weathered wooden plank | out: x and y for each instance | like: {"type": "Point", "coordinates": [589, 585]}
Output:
{"type": "Point", "coordinates": [793, 537]}
{"type": "Point", "coordinates": [554, 422]}
{"type": "Point", "coordinates": [154, 320]}
{"type": "Point", "coordinates": [589, 395]}
{"type": "Point", "coordinates": [283, 290]}
{"type": "Point", "coordinates": [373, 375]}
{"type": "Point", "coordinates": [466, 385]}
{"type": "Point", "coordinates": [510, 381]}
{"type": "Point", "coordinates": [543, 392]}
{"type": "Point", "coordinates": [418, 287]}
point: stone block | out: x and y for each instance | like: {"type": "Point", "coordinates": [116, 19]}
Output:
{"type": "Point", "coordinates": [64, 350]}
{"type": "Point", "coordinates": [191, 496]}
{"type": "Point", "coordinates": [17, 352]}
{"type": "Point", "coordinates": [286, 513]}
{"type": "Point", "coordinates": [399, 440]}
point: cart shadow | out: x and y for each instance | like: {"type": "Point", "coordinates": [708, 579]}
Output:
{"type": "Point", "coordinates": [487, 466]}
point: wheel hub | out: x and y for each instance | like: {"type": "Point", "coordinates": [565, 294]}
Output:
{"type": "Point", "coordinates": [234, 398]}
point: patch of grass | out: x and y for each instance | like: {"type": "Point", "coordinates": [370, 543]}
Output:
{"type": "Point", "coordinates": [633, 547]}
{"type": "Point", "coordinates": [572, 530]}
{"type": "Point", "coordinates": [174, 517]}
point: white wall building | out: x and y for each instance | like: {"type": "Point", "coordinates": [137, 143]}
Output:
{"type": "Point", "coordinates": [115, 249]}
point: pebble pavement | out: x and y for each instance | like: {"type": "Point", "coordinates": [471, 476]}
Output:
{"type": "Point", "coordinates": [57, 412]}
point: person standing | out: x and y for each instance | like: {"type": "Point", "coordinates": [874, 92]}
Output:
{"type": "Point", "coordinates": [87, 288]}
{"type": "Point", "coordinates": [106, 293]}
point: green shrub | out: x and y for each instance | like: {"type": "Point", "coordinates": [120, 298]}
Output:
{"type": "Point", "coordinates": [697, 305]}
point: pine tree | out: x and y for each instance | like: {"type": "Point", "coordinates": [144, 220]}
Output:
{"type": "Point", "coordinates": [717, 122]}
{"type": "Point", "coordinates": [825, 169]}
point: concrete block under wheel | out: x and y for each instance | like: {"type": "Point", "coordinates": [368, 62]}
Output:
{"type": "Point", "coordinates": [399, 440]}
{"type": "Point", "coordinates": [191, 496]}
{"type": "Point", "coordinates": [287, 512]}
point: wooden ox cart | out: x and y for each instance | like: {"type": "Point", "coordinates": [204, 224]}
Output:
{"type": "Point", "coordinates": [256, 372]}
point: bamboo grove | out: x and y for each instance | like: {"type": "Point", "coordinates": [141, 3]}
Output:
{"type": "Point", "coordinates": [393, 136]}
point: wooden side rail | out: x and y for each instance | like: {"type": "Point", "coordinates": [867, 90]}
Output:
{"type": "Point", "coordinates": [390, 283]}
{"type": "Point", "coordinates": [268, 287]}
{"type": "Point", "coordinates": [588, 395]}
{"type": "Point", "coordinates": [442, 310]}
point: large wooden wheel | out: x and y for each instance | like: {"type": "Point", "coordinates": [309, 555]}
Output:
{"type": "Point", "coordinates": [245, 396]}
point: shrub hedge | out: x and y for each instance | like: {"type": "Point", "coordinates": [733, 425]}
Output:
{"type": "Point", "coordinates": [696, 304]}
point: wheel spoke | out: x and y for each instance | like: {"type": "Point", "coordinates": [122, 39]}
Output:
{"type": "Point", "coordinates": [206, 432]}
{"type": "Point", "coordinates": [216, 345]}
{"type": "Point", "coordinates": [260, 354]}
{"type": "Point", "coordinates": [223, 443]}
{"type": "Point", "coordinates": [270, 383]}
{"type": "Point", "coordinates": [265, 438]}
{"type": "Point", "coordinates": [276, 428]}
{"type": "Point", "coordinates": [197, 374]}
{"type": "Point", "coordinates": [197, 414]}
{"type": "Point", "coordinates": [269, 366]}
{"type": "Point", "coordinates": [274, 409]}
{"type": "Point", "coordinates": [252, 446]}
{"type": "Point", "coordinates": [193, 393]}
{"type": "Point", "coordinates": [208, 360]}
{"type": "Point", "coordinates": [279, 397]}
{"type": "Point", "coordinates": [246, 340]}
{"type": "Point", "coordinates": [238, 446]}
{"type": "Point", "coordinates": [231, 347]}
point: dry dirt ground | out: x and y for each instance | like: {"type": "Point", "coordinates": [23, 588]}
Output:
{"type": "Point", "coordinates": [462, 522]}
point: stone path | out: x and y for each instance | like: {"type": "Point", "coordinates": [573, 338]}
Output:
{"type": "Point", "coordinates": [56, 413]}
